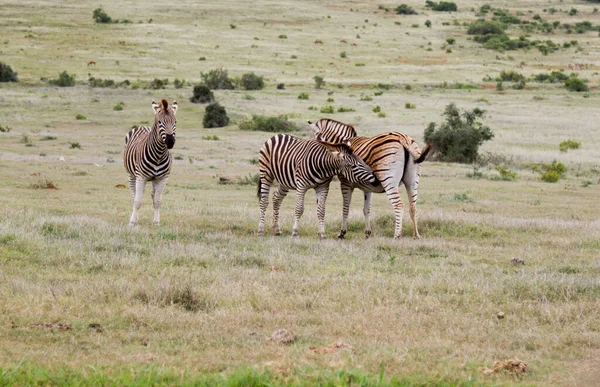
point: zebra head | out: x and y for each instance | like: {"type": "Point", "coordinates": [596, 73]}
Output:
{"type": "Point", "coordinates": [352, 167]}
{"type": "Point", "coordinates": [165, 121]}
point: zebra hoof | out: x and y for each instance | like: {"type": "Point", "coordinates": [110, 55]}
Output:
{"type": "Point", "coordinates": [367, 234]}
{"type": "Point", "coordinates": [397, 237]}
{"type": "Point", "coordinates": [342, 234]}
{"type": "Point", "coordinates": [295, 234]}
{"type": "Point", "coordinates": [322, 237]}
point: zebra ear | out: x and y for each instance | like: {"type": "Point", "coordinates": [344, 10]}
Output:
{"type": "Point", "coordinates": [174, 107]}
{"type": "Point", "coordinates": [155, 107]}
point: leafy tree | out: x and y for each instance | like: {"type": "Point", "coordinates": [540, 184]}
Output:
{"type": "Point", "coordinates": [101, 17]}
{"type": "Point", "coordinates": [7, 74]}
{"type": "Point", "coordinates": [215, 116]}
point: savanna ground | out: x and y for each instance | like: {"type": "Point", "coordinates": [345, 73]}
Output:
{"type": "Point", "coordinates": [195, 299]}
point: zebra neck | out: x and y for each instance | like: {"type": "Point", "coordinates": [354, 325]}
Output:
{"type": "Point", "coordinates": [156, 140]}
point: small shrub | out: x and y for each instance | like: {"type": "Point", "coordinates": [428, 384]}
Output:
{"type": "Point", "coordinates": [251, 81]}
{"type": "Point", "coordinates": [217, 79]}
{"type": "Point", "coordinates": [100, 16]}
{"type": "Point", "coordinates": [202, 94]}
{"type": "Point", "coordinates": [569, 144]}
{"type": "Point", "coordinates": [179, 83]}
{"type": "Point", "coordinates": [450, 41]}
{"type": "Point", "coordinates": [342, 109]}
{"type": "Point", "coordinates": [215, 116]}
{"type": "Point", "coordinates": [381, 114]}
{"type": "Point", "coordinates": [519, 85]}
{"type": "Point", "coordinates": [99, 82]}
{"type": "Point", "coordinates": [48, 138]}
{"type": "Point", "coordinates": [64, 80]}
{"type": "Point", "coordinates": [458, 139]}
{"type": "Point", "coordinates": [506, 174]}
{"type": "Point", "coordinates": [343, 54]}
{"type": "Point", "coordinates": [409, 105]}
{"type": "Point", "coordinates": [319, 81]}
{"type": "Point", "coordinates": [5, 129]}
{"type": "Point", "coordinates": [330, 99]}
{"type": "Point", "coordinates": [211, 138]}
{"type": "Point", "coordinates": [277, 124]}
{"type": "Point", "coordinates": [404, 9]}
{"type": "Point", "coordinates": [303, 95]}
{"type": "Point", "coordinates": [119, 106]}
{"type": "Point", "coordinates": [428, 23]}
{"type": "Point", "coordinates": [442, 6]}
{"type": "Point", "coordinates": [328, 109]}
{"type": "Point", "coordinates": [551, 173]}
{"type": "Point", "coordinates": [511, 76]}
{"type": "Point", "coordinates": [7, 74]}
{"type": "Point", "coordinates": [158, 84]}
{"type": "Point", "coordinates": [280, 86]}
{"type": "Point", "coordinates": [80, 117]}
{"type": "Point", "coordinates": [282, 36]}
{"type": "Point", "coordinates": [576, 84]}
{"type": "Point", "coordinates": [364, 97]}
{"type": "Point", "coordinates": [553, 77]}
{"type": "Point", "coordinates": [74, 145]}
{"type": "Point", "coordinates": [202, 58]}
{"type": "Point", "coordinates": [485, 27]}
{"type": "Point", "coordinates": [378, 93]}
{"type": "Point", "coordinates": [376, 109]}
{"type": "Point", "coordinates": [499, 86]}
{"type": "Point", "coordinates": [313, 108]}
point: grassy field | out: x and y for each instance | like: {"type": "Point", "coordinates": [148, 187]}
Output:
{"type": "Point", "coordinates": [87, 300]}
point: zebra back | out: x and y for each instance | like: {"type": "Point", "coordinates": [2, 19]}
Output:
{"type": "Point", "coordinates": [332, 131]}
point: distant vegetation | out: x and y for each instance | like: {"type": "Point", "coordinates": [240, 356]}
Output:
{"type": "Point", "coordinates": [442, 6]}
{"type": "Point", "coordinates": [102, 17]}
{"type": "Point", "coordinates": [251, 81]}
{"type": "Point", "coordinates": [7, 74]}
{"type": "Point", "coordinates": [569, 144]}
{"type": "Point", "coordinates": [217, 79]}
{"type": "Point", "coordinates": [319, 81]}
{"type": "Point", "coordinates": [215, 116]}
{"type": "Point", "coordinates": [458, 139]}
{"type": "Point", "coordinates": [277, 124]}
{"type": "Point", "coordinates": [404, 9]}
{"type": "Point", "coordinates": [64, 80]}
{"type": "Point", "coordinates": [202, 94]}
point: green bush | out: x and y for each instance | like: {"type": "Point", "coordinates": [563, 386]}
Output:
{"type": "Point", "coordinates": [64, 80]}
{"type": "Point", "coordinates": [343, 109]}
{"type": "Point", "coordinates": [5, 129]}
{"type": "Point", "coordinates": [251, 81]}
{"type": "Point", "coordinates": [458, 139]}
{"type": "Point", "coordinates": [551, 173]}
{"type": "Point", "coordinates": [485, 27]}
{"type": "Point", "coordinates": [569, 144]}
{"type": "Point", "coordinates": [158, 84]}
{"type": "Point", "coordinates": [215, 116]}
{"type": "Point", "coordinates": [428, 23]}
{"type": "Point", "coordinates": [409, 105]}
{"type": "Point", "coordinates": [119, 106]}
{"type": "Point", "coordinates": [7, 74]}
{"type": "Point", "coordinates": [319, 81]}
{"type": "Point", "coordinates": [101, 17]}
{"type": "Point", "coordinates": [217, 79]}
{"type": "Point", "coordinates": [99, 82]}
{"type": "Point", "coordinates": [553, 77]}
{"type": "Point", "coordinates": [450, 41]}
{"type": "Point", "coordinates": [179, 83]}
{"type": "Point", "coordinates": [506, 173]}
{"type": "Point", "coordinates": [202, 94]}
{"type": "Point", "coordinates": [404, 9]}
{"type": "Point", "coordinates": [303, 95]}
{"type": "Point", "coordinates": [511, 76]}
{"type": "Point", "coordinates": [327, 109]}
{"type": "Point", "coordinates": [576, 84]}
{"type": "Point", "coordinates": [80, 117]}
{"type": "Point", "coordinates": [276, 124]}
{"type": "Point", "coordinates": [442, 6]}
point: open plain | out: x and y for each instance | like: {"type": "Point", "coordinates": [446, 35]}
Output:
{"type": "Point", "coordinates": [504, 269]}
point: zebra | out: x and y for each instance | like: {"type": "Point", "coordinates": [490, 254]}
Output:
{"type": "Point", "coordinates": [300, 164]}
{"type": "Point", "coordinates": [394, 158]}
{"type": "Point", "coordinates": [147, 157]}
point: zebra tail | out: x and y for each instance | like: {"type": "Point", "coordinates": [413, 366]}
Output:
{"type": "Point", "coordinates": [258, 191]}
{"type": "Point", "coordinates": [424, 153]}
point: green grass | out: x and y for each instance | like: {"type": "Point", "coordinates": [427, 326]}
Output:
{"type": "Point", "coordinates": [194, 300]}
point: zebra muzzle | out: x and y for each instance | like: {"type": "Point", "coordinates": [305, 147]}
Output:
{"type": "Point", "coordinates": [170, 141]}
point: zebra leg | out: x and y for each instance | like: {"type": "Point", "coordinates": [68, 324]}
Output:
{"type": "Point", "coordinates": [300, 193]}
{"type": "Point", "coordinates": [264, 203]}
{"type": "Point", "coordinates": [393, 196]}
{"type": "Point", "coordinates": [367, 213]}
{"type": "Point", "coordinates": [347, 196]}
{"type": "Point", "coordinates": [321, 199]}
{"type": "Point", "coordinates": [277, 199]}
{"type": "Point", "coordinates": [140, 185]}
{"type": "Point", "coordinates": [157, 189]}
{"type": "Point", "coordinates": [132, 186]}
{"type": "Point", "coordinates": [411, 182]}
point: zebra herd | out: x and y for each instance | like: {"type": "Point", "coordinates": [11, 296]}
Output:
{"type": "Point", "coordinates": [377, 164]}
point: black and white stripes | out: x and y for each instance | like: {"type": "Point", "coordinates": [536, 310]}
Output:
{"type": "Point", "coordinates": [147, 157]}
{"type": "Point", "coordinates": [300, 164]}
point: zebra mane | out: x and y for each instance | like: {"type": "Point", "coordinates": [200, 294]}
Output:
{"type": "Point", "coordinates": [165, 105]}
{"type": "Point", "coordinates": [334, 131]}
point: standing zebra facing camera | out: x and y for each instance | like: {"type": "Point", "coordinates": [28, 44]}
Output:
{"type": "Point", "coordinates": [395, 159]}
{"type": "Point", "coordinates": [147, 157]}
{"type": "Point", "coordinates": [300, 164]}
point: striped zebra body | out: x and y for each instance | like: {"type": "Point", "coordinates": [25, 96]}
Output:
{"type": "Point", "coordinates": [299, 164]}
{"type": "Point", "coordinates": [147, 157]}
{"type": "Point", "coordinates": [394, 158]}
